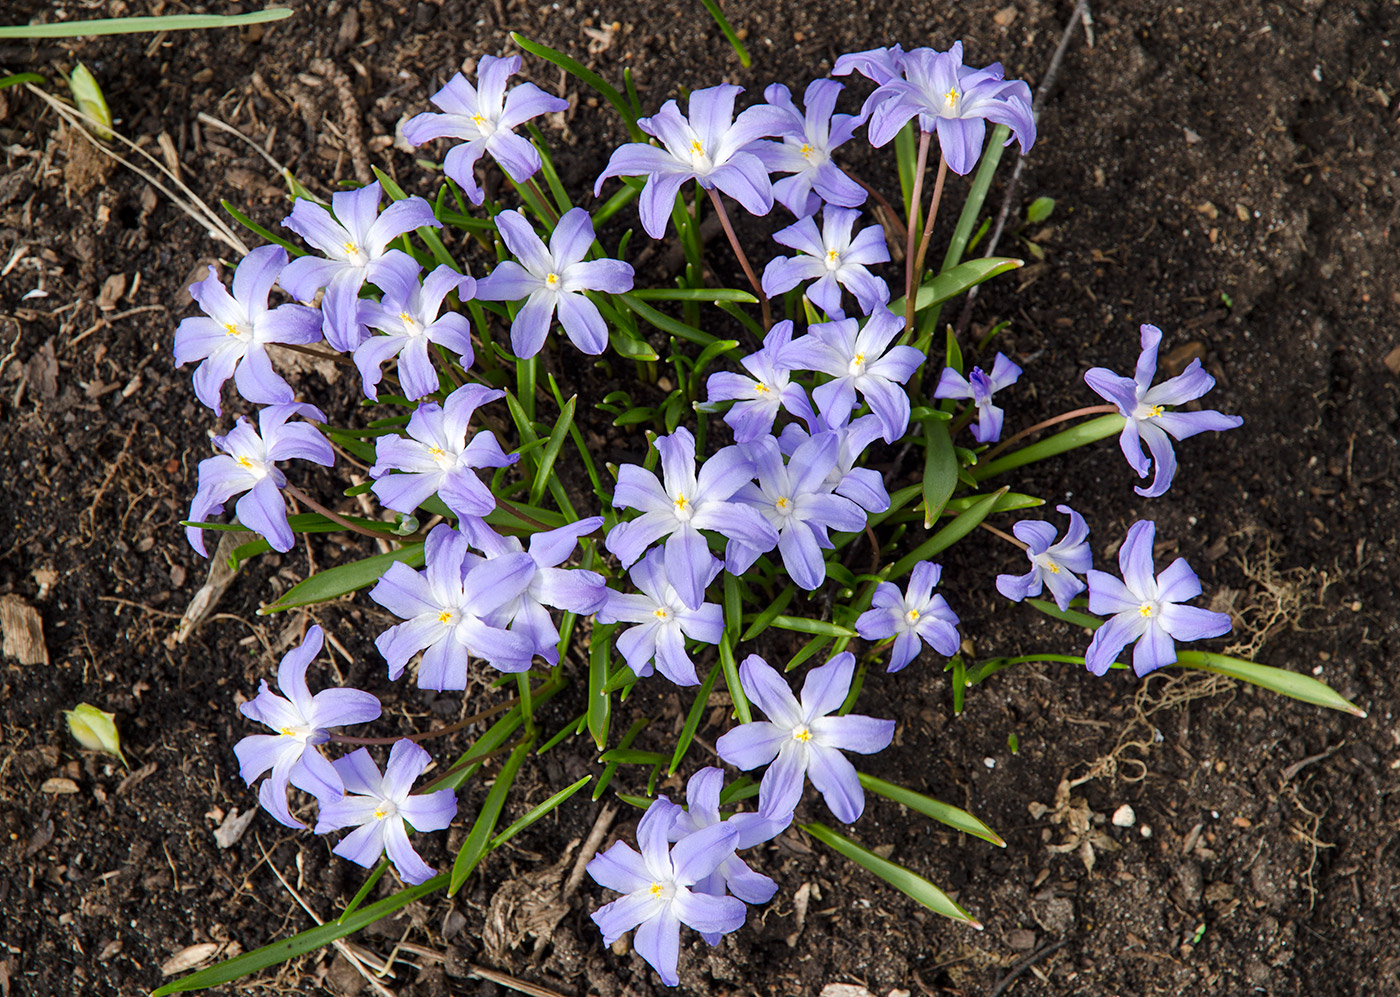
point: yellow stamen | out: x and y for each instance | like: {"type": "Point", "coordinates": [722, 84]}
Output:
{"type": "Point", "coordinates": [406, 319]}
{"type": "Point", "coordinates": [1054, 568]}
{"type": "Point", "coordinates": [288, 732]}
{"type": "Point", "coordinates": [782, 504]}
{"type": "Point", "coordinates": [656, 889]}
{"type": "Point", "coordinates": [912, 616]}
{"type": "Point", "coordinates": [351, 249]}
{"type": "Point", "coordinates": [761, 388]}
{"type": "Point", "coordinates": [380, 812]}
{"type": "Point", "coordinates": [435, 451]}
{"type": "Point", "coordinates": [552, 279]}
{"type": "Point", "coordinates": [662, 613]}
{"type": "Point", "coordinates": [445, 616]}
{"type": "Point", "coordinates": [244, 462]}
{"type": "Point", "coordinates": [801, 734]}
{"type": "Point", "coordinates": [232, 329]}
{"type": "Point", "coordinates": [478, 120]}
{"type": "Point", "coordinates": [696, 148]}
{"type": "Point", "coordinates": [681, 503]}
{"type": "Point", "coordinates": [806, 151]}
{"type": "Point", "coordinates": [951, 97]}
{"type": "Point", "coordinates": [1145, 609]}
{"type": "Point", "coordinates": [831, 255]}
{"type": "Point", "coordinates": [1154, 412]}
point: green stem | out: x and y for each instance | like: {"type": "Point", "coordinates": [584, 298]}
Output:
{"type": "Point", "coordinates": [1076, 436]}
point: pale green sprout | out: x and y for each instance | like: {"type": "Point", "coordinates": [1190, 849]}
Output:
{"type": "Point", "coordinates": [88, 96]}
{"type": "Point", "coordinates": [95, 730]}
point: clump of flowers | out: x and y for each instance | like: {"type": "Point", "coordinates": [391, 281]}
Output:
{"type": "Point", "coordinates": [517, 549]}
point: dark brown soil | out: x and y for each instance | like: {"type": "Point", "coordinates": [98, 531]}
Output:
{"type": "Point", "coordinates": [1226, 171]}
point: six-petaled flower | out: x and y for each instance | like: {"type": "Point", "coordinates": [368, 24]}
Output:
{"type": "Point", "coordinates": [911, 616]}
{"type": "Point", "coordinates": [1055, 566]}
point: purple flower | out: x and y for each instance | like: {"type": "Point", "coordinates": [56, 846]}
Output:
{"type": "Point", "coordinates": [797, 500]}
{"type": "Point", "coordinates": [684, 507]}
{"type": "Point", "coordinates": [574, 590]}
{"type": "Point", "coordinates": [656, 884]}
{"type": "Point", "coordinates": [803, 738]}
{"type": "Point", "coordinates": [247, 465]}
{"type": "Point", "coordinates": [878, 64]}
{"type": "Point", "coordinates": [664, 622]}
{"type": "Point", "coordinates": [708, 147]}
{"type": "Point", "coordinates": [446, 608]}
{"type": "Point", "coordinates": [1052, 564]}
{"type": "Point", "coordinates": [438, 459]}
{"type": "Point", "coordinates": [805, 150]}
{"type": "Point", "coordinates": [1145, 409]}
{"type": "Point", "coordinates": [759, 397]}
{"type": "Point", "coordinates": [910, 616]}
{"type": "Point", "coordinates": [1146, 609]}
{"type": "Point", "coordinates": [864, 486]}
{"type": "Point", "coordinates": [860, 359]}
{"type": "Point", "coordinates": [232, 335]}
{"type": "Point", "coordinates": [951, 99]}
{"type": "Point", "coordinates": [379, 807]}
{"type": "Point", "coordinates": [702, 798]}
{"type": "Point", "coordinates": [408, 315]}
{"type": "Point", "coordinates": [356, 243]}
{"type": "Point", "coordinates": [302, 722]}
{"type": "Point", "coordinates": [484, 117]}
{"type": "Point", "coordinates": [834, 259]}
{"type": "Point", "coordinates": [979, 387]}
{"type": "Point", "coordinates": [553, 279]}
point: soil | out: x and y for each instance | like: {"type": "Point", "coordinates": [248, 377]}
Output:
{"type": "Point", "coordinates": [1225, 171]}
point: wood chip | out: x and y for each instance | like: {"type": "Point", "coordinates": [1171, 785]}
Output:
{"type": "Point", "coordinates": [23, 632]}
{"type": "Point", "coordinates": [231, 829]}
{"type": "Point", "coordinates": [59, 786]}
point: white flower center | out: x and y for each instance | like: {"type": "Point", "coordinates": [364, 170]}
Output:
{"type": "Point", "coordinates": [445, 460]}
{"type": "Point", "coordinates": [802, 733]}
{"type": "Point", "coordinates": [297, 733]}
{"type": "Point", "coordinates": [912, 616]}
{"type": "Point", "coordinates": [857, 365]}
{"type": "Point", "coordinates": [683, 508]}
{"type": "Point", "coordinates": [833, 259]}
{"type": "Point", "coordinates": [483, 124]}
{"type": "Point", "coordinates": [699, 158]}
{"type": "Point", "coordinates": [257, 468]}
{"type": "Point", "coordinates": [1148, 411]}
{"type": "Point", "coordinates": [551, 281]}
{"type": "Point", "coordinates": [385, 810]}
{"type": "Point", "coordinates": [783, 505]}
{"type": "Point", "coordinates": [1147, 609]}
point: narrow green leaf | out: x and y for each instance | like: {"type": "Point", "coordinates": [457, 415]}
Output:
{"type": "Point", "coordinates": [301, 943]}
{"type": "Point", "coordinates": [765, 619]}
{"type": "Point", "coordinates": [604, 89]}
{"type": "Point", "coordinates": [664, 322]}
{"type": "Point", "coordinates": [692, 719]}
{"type": "Point", "coordinates": [693, 294]}
{"type": "Point", "coordinates": [1068, 615]}
{"type": "Point", "coordinates": [950, 283]}
{"type": "Point", "coordinates": [929, 807]}
{"type": "Point", "coordinates": [474, 849]}
{"type": "Point", "coordinates": [599, 699]}
{"type": "Point", "coordinates": [535, 813]}
{"type": "Point", "coordinates": [427, 233]}
{"type": "Point", "coordinates": [362, 894]}
{"type": "Point", "coordinates": [804, 626]}
{"type": "Point", "coordinates": [18, 78]}
{"type": "Point", "coordinates": [1279, 680]}
{"type": "Point", "coordinates": [1076, 436]}
{"type": "Point", "coordinates": [335, 582]}
{"type": "Point", "coordinates": [610, 769]}
{"type": "Point", "coordinates": [257, 229]}
{"type": "Point", "coordinates": [808, 651]}
{"type": "Point", "coordinates": [631, 756]}
{"type": "Point", "coordinates": [138, 25]}
{"type": "Point", "coordinates": [731, 681]}
{"type": "Point", "coordinates": [729, 33]}
{"type": "Point", "coordinates": [911, 884]}
{"type": "Point", "coordinates": [551, 450]}
{"type": "Point", "coordinates": [940, 470]}
{"type": "Point", "coordinates": [961, 526]}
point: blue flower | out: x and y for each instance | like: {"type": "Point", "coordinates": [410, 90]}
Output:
{"type": "Point", "coordinates": [979, 388]}
{"type": "Point", "coordinates": [1148, 419]}
{"type": "Point", "coordinates": [805, 150]}
{"type": "Point", "coordinates": [911, 616]}
{"type": "Point", "coordinates": [833, 258]}
{"type": "Point", "coordinates": [1146, 609]}
{"type": "Point", "coordinates": [1052, 564]}
{"type": "Point", "coordinates": [768, 388]}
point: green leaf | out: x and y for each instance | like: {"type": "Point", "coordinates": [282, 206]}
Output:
{"type": "Point", "coordinates": [909, 883]}
{"type": "Point", "coordinates": [632, 756]}
{"type": "Point", "coordinates": [729, 33]}
{"type": "Point", "coordinates": [940, 470]}
{"type": "Point", "coordinates": [362, 894]}
{"type": "Point", "coordinates": [929, 807]}
{"type": "Point", "coordinates": [300, 944]}
{"type": "Point", "coordinates": [604, 89]}
{"type": "Point", "coordinates": [693, 294]}
{"type": "Point", "coordinates": [664, 322]}
{"type": "Point", "coordinates": [551, 450]}
{"type": "Point", "coordinates": [610, 769]}
{"type": "Point", "coordinates": [731, 681]}
{"type": "Point", "coordinates": [950, 283]}
{"type": "Point", "coordinates": [963, 524]}
{"type": "Point", "coordinates": [474, 849]}
{"type": "Point", "coordinates": [18, 78]}
{"type": "Point", "coordinates": [257, 229]}
{"type": "Point", "coordinates": [1041, 208]}
{"type": "Point", "coordinates": [137, 25]}
{"type": "Point", "coordinates": [808, 651]}
{"type": "Point", "coordinates": [804, 626]}
{"type": "Point", "coordinates": [1279, 680]}
{"type": "Point", "coordinates": [87, 94]}
{"type": "Point", "coordinates": [1068, 615]}
{"type": "Point", "coordinates": [765, 619]}
{"type": "Point", "coordinates": [1076, 436]}
{"type": "Point", "coordinates": [335, 582]}
{"type": "Point", "coordinates": [535, 813]}
{"type": "Point", "coordinates": [599, 699]}
{"type": "Point", "coordinates": [692, 719]}
{"type": "Point", "coordinates": [427, 233]}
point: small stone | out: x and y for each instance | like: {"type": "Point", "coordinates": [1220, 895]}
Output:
{"type": "Point", "coordinates": [1124, 816]}
{"type": "Point", "coordinates": [990, 762]}
{"type": "Point", "coordinates": [59, 786]}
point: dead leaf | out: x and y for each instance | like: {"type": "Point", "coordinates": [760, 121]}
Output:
{"type": "Point", "coordinates": [59, 785]}
{"type": "Point", "coordinates": [232, 827]}
{"type": "Point", "coordinates": [112, 290]}
{"type": "Point", "coordinates": [845, 990]}
{"type": "Point", "coordinates": [188, 958]}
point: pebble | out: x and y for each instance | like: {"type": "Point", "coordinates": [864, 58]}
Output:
{"type": "Point", "coordinates": [1124, 816]}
